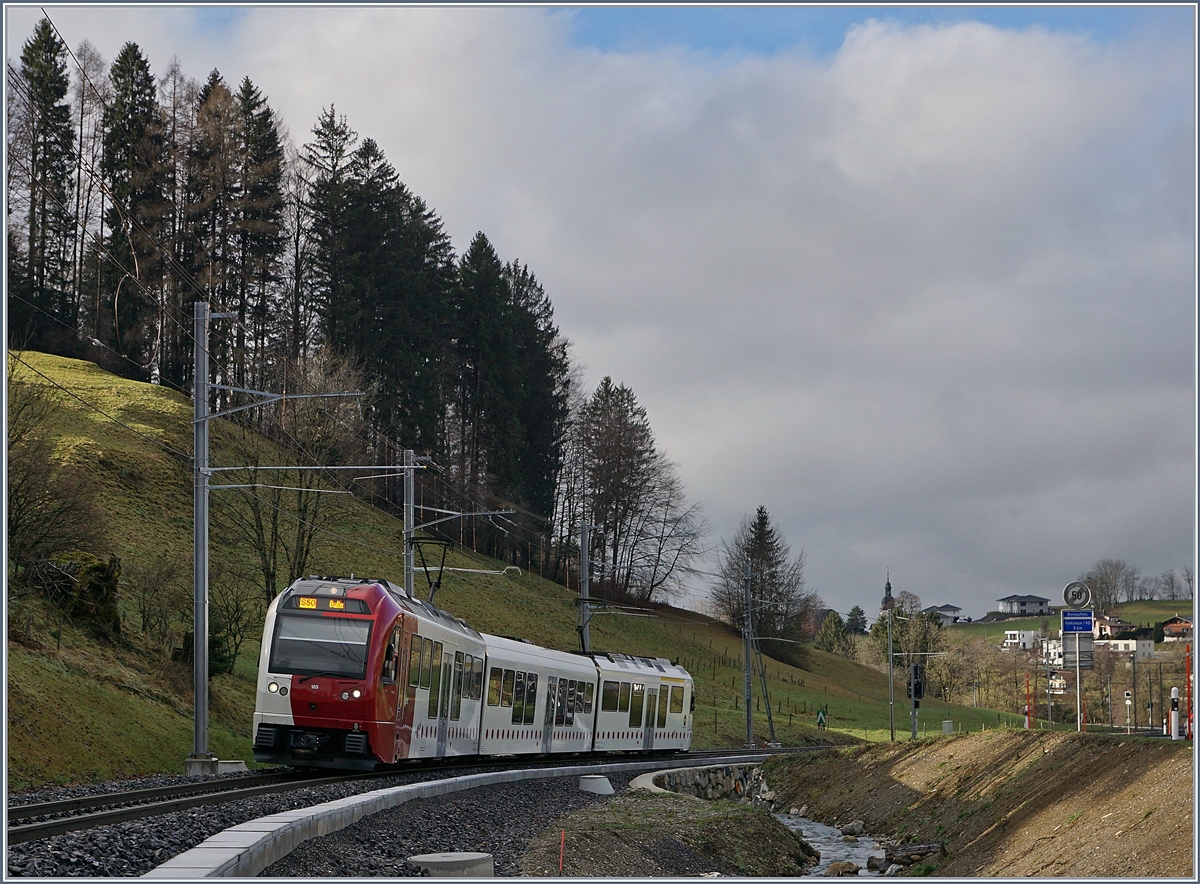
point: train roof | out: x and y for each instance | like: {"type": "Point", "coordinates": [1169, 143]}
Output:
{"type": "Point", "coordinates": [518, 649]}
{"type": "Point", "coordinates": [416, 606]}
{"type": "Point", "coordinates": [611, 662]}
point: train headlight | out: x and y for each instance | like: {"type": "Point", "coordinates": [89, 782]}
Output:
{"type": "Point", "coordinates": [273, 688]}
{"type": "Point", "coordinates": [345, 695]}
{"type": "Point", "coordinates": [356, 693]}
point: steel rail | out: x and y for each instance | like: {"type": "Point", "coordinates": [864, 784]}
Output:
{"type": "Point", "coordinates": [74, 805]}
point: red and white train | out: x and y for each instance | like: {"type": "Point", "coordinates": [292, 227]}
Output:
{"type": "Point", "coordinates": [355, 673]}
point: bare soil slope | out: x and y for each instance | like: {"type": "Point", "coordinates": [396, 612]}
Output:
{"type": "Point", "coordinates": [1012, 803]}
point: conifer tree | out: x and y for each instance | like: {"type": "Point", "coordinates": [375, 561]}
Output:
{"type": "Point", "coordinates": [133, 165]}
{"type": "Point", "coordinates": [833, 636]}
{"type": "Point", "coordinates": [782, 603]}
{"type": "Point", "coordinates": [42, 118]}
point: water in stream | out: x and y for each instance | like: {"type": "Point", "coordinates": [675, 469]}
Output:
{"type": "Point", "coordinates": [829, 841]}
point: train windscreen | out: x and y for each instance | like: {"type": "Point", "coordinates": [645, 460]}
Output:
{"type": "Point", "coordinates": [335, 646]}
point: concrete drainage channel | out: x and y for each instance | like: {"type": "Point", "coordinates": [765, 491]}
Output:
{"type": "Point", "coordinates": [247, 849]}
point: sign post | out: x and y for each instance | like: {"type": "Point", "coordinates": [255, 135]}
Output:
{"type": "Point", "coordinates": [1077, 622]}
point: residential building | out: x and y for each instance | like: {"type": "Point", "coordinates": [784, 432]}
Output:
{"type": "Point", "coordinates": [947, 613]}
{"type": "Point", "coordinates": [1142, 648]}
{"type": "Point", "coordinates": [1104, 626]}
{"type": "Point", "coordinates": [1024, 605]}
{"type": "Point", "coordinates": [1177, 629]}
{"type": "Point", "coordinates": [1022, 640]}
{"type": "Point", "coordinates": [1052, 652]}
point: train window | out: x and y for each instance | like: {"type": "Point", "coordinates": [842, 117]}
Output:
{"type": "Point", "coordinates": [635, 704]}
{"type": "Point", "coordinates": [662, 706]}
{"type": "Point", "coordinates": [579, 697]}
{"type": "Point", "coordinates": [560, 705]}
{"type": "Point", "coordinates": [391, 659]}
{"type": "Point", "coordinates": [624, 705]}
{"type": "Point", "coordinates": [608, 696]}
{"type": "Point", "coordinates": [414, 662]}
{"type": "Point", "coordinates": [456, 699]}
{"type": "Point", "coordinates": [506, 690]}
{"type": "Point", "coordinates": [530, 697]}
{"type": "Point", "coordinates": [426, 662]}
{"type": "Point", "coordinates": [676, 700]}
{"type": "Point", "coordinates": [494, 679]}
{"type": "Point", "coordinates": [551, 692]}
{"type": "Point", "coordinates": [518, 705]}
{"type": "Point", "coordinates": [477, 693]}
{"type": "Point", "coordinates": [589, 692]}
{"type": "Point", "coordinates": [435, 682]}
{"type": "Point", "coordinates": [570, 708]}
{"type": "Point", "coordinates": [468, 677]}
{"type": "Point", "coordinates": [328, 645]}
{"type": "Point", "coordinates": [447, 679]}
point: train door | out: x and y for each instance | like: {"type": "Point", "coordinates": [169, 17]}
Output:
{"type": "Point", "coordinates": [443, 706]}
{"type": "Point", "coordinates": [651, 715]}
{"type": "Point", "coordinates": [389, 695]}
{"type": "Point", "coordinates": [548, 718]}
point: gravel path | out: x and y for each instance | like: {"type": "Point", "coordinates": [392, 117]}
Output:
{"type": "Point", "coordinates": [134, 848]}
{"type": "Point", "coordinates": [500, 820]}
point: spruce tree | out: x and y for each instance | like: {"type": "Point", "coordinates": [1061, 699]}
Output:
{"type": "Point", "coordinates": [48, 140]}
{"type": "Point", "coordinates": [856, 621]}
{"type": "Point", "coordinates": [133, 165]}
{"type": "Point", "coordinates": [782, 603]}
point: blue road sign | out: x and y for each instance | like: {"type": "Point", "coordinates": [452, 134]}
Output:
{"type": "Point", "coordinates": [1076, 621]}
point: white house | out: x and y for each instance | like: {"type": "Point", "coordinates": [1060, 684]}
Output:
{"type": "Point", "coordinates": [1052, 652]}
{"type": "Point", "coordinates": [947, 613]}
{"type": "Point", "coordinates": [1024, 605]}
{"type": "Point", "coordinates": [1022, 640]}
{"type": "Point", "coordinates": [1143, 648]}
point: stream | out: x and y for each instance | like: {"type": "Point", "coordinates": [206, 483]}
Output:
{"type": "Point", "coordinates": [828, 841]}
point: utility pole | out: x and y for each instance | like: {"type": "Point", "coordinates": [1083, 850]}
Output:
{"type": "Point", "coordinates": [409, 521]}
{"type": "Point", "coordinates": [201, 761]}
{"type": "Point", "coordinates": [888, 604]}
{"type": "Point", "coordinates": [585, 585]}
{"type": "Point", "coordinates": [916, 692]}
{"type": "Point", "coordinates": [746, 656]}
{"type": "Point", "coordinates": [200, 756]}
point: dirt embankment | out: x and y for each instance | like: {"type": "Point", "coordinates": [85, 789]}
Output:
{"type": "Point", "coordinates": [1004, 803]}
{"type": "Point", "coordinates": [1012, 803]}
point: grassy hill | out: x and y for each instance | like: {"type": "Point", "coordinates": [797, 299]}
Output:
{"type": "Point", "coordinates": [81, 709]}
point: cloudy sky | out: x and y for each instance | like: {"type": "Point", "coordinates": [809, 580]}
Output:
{"type": "Point", "coordinates": [921, 281]}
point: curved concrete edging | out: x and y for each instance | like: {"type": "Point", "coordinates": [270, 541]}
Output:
{"type": "Point", "coordinates": [246, 849]}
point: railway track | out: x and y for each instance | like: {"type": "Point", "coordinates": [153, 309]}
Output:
{"type": "Point", "coordinates": [30, 822]}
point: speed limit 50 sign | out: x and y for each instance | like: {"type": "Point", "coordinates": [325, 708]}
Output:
{"type": "Point", "coordinates": [1077, 595]}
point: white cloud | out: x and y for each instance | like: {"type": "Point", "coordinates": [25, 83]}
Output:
{"type": "Point", "coordinates": [930, 300]}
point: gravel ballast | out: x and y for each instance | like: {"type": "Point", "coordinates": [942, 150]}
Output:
{"type": "Point", "coordinates": [501, 820]}
{"type": "Point", "coordinates": [498, 819]}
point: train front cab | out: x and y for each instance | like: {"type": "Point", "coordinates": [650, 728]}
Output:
{"type": "Point", "coordinates": [645, 705]}
{"type": "Point", "coordinates": [328, 675]}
